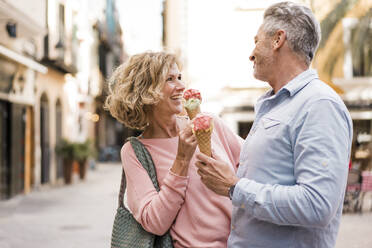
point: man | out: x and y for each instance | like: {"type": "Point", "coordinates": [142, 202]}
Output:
{"type": "Point", "coordinates": [289, 187]}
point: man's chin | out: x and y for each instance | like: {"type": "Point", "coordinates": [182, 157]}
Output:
{"type": "Point", "coordinates": [257, 76]}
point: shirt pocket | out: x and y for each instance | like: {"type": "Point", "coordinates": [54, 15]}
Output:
{"type": "Point", "coordinates": [269, 122]}
{"type": "Point", "coordinates": [270, 125]}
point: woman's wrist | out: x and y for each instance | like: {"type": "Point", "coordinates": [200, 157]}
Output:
{"type": "Point", "coordinates": [180, 166]}
{"type": "Point", "coordinates": [182, 159]}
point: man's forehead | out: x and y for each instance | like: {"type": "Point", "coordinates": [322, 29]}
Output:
{"type": "Point", "coordinates": [260, 31]}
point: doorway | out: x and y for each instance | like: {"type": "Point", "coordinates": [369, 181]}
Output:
{"type": "Point", "coordinates": [4, 151]}
{"type": "Point", "coordinates": [44, 138]}
{"type": "Point", "coordinates": [59, 161]}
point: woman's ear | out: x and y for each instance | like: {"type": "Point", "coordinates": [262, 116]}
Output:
{"type": "Point", "coordinates": [279, 39]}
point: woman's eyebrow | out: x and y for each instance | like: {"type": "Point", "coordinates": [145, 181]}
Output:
{"type": "Point", "coordinates": [174, 74]}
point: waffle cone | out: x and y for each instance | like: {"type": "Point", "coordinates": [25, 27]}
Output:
{"type": "Point", "coordinates": [203, 137]}
{"type": "Point", "coordinates": [192, 112]}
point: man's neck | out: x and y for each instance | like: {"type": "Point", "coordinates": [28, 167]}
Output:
{"type": "Point", "coordinates": [285, 71]}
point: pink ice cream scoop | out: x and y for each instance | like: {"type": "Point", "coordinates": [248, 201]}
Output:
{"type": "Point", "coordinates": [191, 93]}
{"type": "Point", "coordinates": [202, 122]}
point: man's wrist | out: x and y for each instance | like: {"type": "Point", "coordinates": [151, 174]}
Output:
{"type": "Point", "coordinates": [231, 191]}
{"type": "Point", "coordinates": [232, 188]}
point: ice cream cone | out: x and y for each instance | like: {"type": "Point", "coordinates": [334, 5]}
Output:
{"type": "Point", "coordinates": [192, 100]}
{"type": "Point", "coordinates": [192, 112]}
{"type": "Point", "coordinates": [203, 128]}
{"type": "Point", "coordinates": [203, 138]}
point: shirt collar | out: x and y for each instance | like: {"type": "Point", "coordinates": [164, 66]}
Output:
{"type": "Point", "coordinates": [300, 81]}
{"type": "Point", "coordinates": [293, 86]}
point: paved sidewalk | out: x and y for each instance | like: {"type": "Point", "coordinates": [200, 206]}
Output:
{"type": "Point", "coordinates": [79, 215]}
{"type": "Point", "coordinates": [355, 231]}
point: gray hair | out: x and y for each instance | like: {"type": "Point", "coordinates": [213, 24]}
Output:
{"type": "Point", "coordinates": [301, 27]}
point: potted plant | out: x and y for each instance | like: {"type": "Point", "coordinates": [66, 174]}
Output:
{"type": "Point", "coordinates": [83, 150]}
{"type": "Point", "coordinates": [65, 149]}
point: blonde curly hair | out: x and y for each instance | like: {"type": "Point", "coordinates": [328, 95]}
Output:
{"type": "Point", "coordinates": [136, 85]}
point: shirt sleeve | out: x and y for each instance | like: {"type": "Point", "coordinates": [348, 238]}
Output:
{"type": "Point", "coordinates": [321, 148]}
{"type": "Point", "coordinates": [155, 211]}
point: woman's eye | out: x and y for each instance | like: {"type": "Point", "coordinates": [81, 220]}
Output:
{"type": "Point", "coordinates": [169, 79]}
{"type": "Point", "coordinates": [179, 77]}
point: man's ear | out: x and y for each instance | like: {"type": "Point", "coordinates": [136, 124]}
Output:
{"type": "Point", "coordinates": [279, 39]}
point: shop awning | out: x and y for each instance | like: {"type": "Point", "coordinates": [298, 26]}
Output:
{"type": "Point", "coordinates": [357, 96]}
{"type": "Point", "coordinates": [355, 89]}
{"type": "Point", "coordinates": [23, 60]}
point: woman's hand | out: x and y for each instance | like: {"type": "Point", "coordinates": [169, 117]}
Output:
{"type": "Point", "coordinates": [186, 144]}
{"type": "Point", "coordinates": [186, 149]}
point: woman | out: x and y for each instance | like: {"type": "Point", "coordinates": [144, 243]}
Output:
{"type": "Point", "coordinates": [146, 93]}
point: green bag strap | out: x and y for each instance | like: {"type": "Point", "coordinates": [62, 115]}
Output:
{"type": "Point", "coordinates": [144, 157]}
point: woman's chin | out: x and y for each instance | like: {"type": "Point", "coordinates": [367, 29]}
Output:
{"type": "Point", "coordinates": [177, 111]}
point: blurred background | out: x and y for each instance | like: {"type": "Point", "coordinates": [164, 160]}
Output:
{"type": "Point", "coordinates": [55, 57]}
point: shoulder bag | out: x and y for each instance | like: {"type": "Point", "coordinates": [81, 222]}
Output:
{"type": "Point", "coordinates": [127, 232]}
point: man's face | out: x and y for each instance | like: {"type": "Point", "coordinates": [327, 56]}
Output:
{"type": "Point", "coordinates": [262, 56]}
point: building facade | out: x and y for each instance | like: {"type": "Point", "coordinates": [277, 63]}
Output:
{"type": "Point", "coordinates": [49, 77]}
{"type": "Point", "coordinates": [110, 134]}
{"type": "Point", "coordinates": [20, 52]}
{"type": "Point", "coordinates": [344, 60]}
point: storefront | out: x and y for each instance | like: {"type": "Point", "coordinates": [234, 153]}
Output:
{"type": "Point", "coordinates": [358, 99]}
{"type": "Point", "coordinates": [17, 78]}
{"type": "Point", "coordinates": [238, 108]}
{"type": "Point", "coordinates": [362, 127]}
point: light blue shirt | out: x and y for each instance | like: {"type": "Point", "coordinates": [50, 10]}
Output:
{"type": "Point", "coordinates": [293, 169]}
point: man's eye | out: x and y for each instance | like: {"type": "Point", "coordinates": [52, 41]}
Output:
{"type": "Point", "coordinates": [169, 79]}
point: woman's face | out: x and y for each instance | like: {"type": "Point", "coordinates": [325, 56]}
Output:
{"type": "Point", "coordinates": [171, 103]}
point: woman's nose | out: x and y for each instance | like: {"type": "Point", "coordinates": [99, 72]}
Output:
{"type": "Point", "coordinates": [180, 85]}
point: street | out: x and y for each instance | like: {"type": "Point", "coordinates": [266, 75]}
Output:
{"type": "Point", "coordinates": [81, 215]}
{"type": "Point", "coordinates": [355, 231]}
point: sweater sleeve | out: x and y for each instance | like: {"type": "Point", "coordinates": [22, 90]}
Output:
{"type": "Point", "coordinates": [232, 141]}
{"type": "Point", "coordinates": [155, 211]}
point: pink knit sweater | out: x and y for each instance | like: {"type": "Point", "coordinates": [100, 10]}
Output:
{"type": "Point", "coordinates": [195, 215]}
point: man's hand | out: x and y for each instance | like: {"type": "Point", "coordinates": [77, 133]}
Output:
{"type": "Point", "coordinates": [215, 173]}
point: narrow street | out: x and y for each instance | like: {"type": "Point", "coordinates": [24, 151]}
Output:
{"type": "Point", "coordinates": [81, 215]}
{"type": "Point", "coordinates": [355, 231]}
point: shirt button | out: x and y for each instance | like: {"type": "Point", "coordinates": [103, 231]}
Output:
{"type": "Point", "coordinates": [242, 206]}
{"type": "Point", "coordinates": [324, 164]}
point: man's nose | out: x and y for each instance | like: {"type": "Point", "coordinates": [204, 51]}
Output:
{"type": "Point", "coordinates": [251, 58]}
